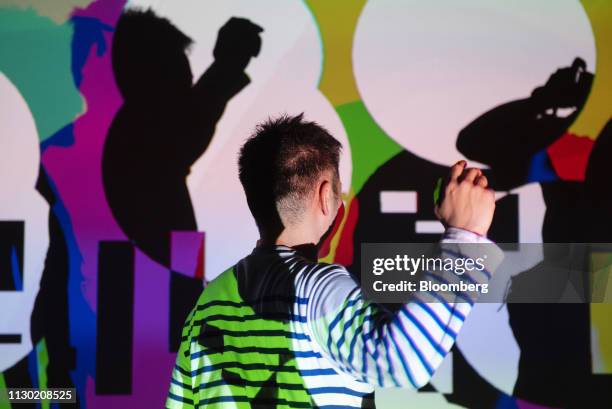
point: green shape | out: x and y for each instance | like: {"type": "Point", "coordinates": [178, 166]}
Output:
{"type": "Point", "coordinates": [4, 404]}
{"type": "Point", "coordinates": [437, 191]}
{"type": "Point", "coordinates": [370, 146]}
{"type": "Point", "coordinates": [42, 358]}
{"type": "Point", "coordinates": [221, 298]}
{"type": "Point", "coordinates": [35, 55]}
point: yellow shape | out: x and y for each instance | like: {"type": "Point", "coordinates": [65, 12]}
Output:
{"type": "Point", "coordinates": [596, 113]}
{"type": "Point", "coordinates": [337, 21]}
{"type": "Point", "coordinates": [333, 245]}
{"type": "Point", "coordinates": [600, 283]}
{"type": "Point", "coordinates": [601, 310]}
{"type": "Point", "coordinates": [601, 338]}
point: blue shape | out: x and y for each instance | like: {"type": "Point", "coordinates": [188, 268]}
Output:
{"type": "Point", "coordinates": [540, 169]}
{"type": "Point", "coordinates": [33, 367]}
{"type": "Point", "coordinates": [506, 402]}
{"type": "Point", "coordinates": [82, 319]}
{"type": "Point", "coordinates": [88, 31]}
{"type": "Point", "coordinates": [63, 137]}
{"type": "Point", "coordinates": [16, 270]}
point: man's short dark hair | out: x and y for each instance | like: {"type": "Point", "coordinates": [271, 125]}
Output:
{"type": "Point", "coordinates": [280, 164]}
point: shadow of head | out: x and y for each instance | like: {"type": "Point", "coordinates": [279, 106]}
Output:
{"type": "Point", "coordinates": [149, 56]}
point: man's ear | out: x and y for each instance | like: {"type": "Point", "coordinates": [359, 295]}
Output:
{"type": "Point", "coordinates": [326, 199]}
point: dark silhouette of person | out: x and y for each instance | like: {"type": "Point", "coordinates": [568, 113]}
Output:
{"type": "Point", "coordinates": [374, 225]}
{"type": "Point", "coordinates": [508, 136]}
{"type": "Point", "coordinates": [419, 175]}
{"type": "Point", "coordinates": [166, 122]}
{"type": "Point", "coordinates": [555, 364]}
{"type": "Point", "coordinates": [50, 316]}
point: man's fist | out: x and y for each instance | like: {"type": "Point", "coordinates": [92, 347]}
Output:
{"type": "Point", "coordinates": [465, 202]}
{"type": "Point", "coordinates": [237, 42]}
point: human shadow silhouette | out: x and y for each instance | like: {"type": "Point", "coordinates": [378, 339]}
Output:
{"type": "Point", "coordinates": [408, 172]}
{"type": "Point", "coordinates": [165, 123]}
{"type": "Point", "coordinates": [50, 316]}
{"type": "Point", "coordinates": [508, 136]}
{"type": "Point", "coordinates": [554, 339]}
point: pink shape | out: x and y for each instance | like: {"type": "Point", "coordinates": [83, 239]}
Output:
{"type": "Point", "coordinates": [522, 404]}
{"type": "Point", "coordinates": [77, 170]}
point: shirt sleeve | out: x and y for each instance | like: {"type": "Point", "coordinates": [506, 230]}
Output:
{"type": "Point", "coordinates": [383, 348]}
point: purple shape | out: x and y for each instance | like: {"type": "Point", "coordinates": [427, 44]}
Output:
{"type": "Point", "coordinates": [187, 253]}
{"type": "Point", "coordinates": [151, 362]}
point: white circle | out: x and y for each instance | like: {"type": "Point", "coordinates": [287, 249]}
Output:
{"type": "Point", "coordinates": [426, 69]}
{"type": "Point", "coordinates": [19, 166]}
{"type": "Point", "coordinates": [284, 79]}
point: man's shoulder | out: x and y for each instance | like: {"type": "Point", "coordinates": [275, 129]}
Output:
{"type": "Point", "coordinates": [226, 275]}
{"type": "Point", "coordinates": [318, 270]}
{"type": "Point", "coordinates": [219, 287]}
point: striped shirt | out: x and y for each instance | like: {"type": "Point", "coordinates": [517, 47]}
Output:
{"type": "Point", "coordinates": [281, 330]}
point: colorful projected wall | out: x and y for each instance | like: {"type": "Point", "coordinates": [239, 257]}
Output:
{"type": "Point", "coordinates": [119, 133]}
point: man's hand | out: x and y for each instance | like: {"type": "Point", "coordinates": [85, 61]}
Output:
{"type": "Point", "coordinates": [466, 202]}
{"type": "Point", "coordinates": [237, 43]}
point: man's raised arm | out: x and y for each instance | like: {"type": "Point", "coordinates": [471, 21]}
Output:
{"type": "Point", "coordinates": [404, 348]}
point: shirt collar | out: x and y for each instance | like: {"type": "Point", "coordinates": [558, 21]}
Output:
{"type": "Point", "coordinates": [307, 251]}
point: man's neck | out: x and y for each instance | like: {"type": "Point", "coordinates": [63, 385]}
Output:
{"type": "Point", "coordinates": [296, 235]}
